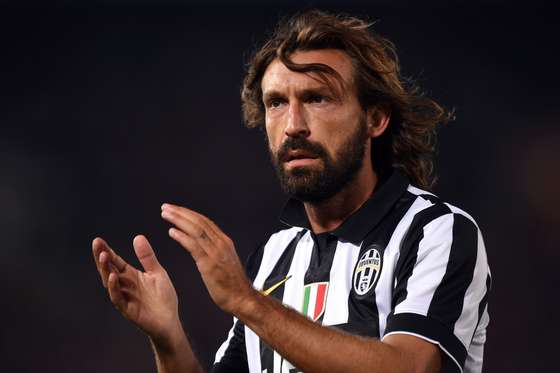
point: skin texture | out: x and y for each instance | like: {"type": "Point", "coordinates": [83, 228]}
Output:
{"type": "Point", "coordinates": [296, 106]}
{"type": "Point", "coordinates": [148, 299]}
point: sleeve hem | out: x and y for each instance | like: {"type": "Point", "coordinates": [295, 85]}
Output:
{"type": "Point", "coordinates": [431, 341]}
{"type": "Point", "coordinates": [430, 330]}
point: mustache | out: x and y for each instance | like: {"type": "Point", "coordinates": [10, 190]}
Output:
{"type": "Point", "coordinates": [299, 143]}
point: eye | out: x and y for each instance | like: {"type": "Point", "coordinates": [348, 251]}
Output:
{"type": "Point", "coordinates": [274, 103]}
{"type": "Point", "coordinates": [316, 99]}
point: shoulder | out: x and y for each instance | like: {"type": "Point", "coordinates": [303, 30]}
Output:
{"type": "Point", "coordinates": [434, 224]}
{"type": "Point", "coordinates": [442, 235]}
{"type": "Point", "coordinates": [429, 208]}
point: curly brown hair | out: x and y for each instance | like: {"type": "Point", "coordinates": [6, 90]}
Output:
{"type": "Point", "coordinates": [408, 144]}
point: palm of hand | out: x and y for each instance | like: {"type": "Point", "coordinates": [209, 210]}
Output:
{"type": "Point", "coordinates": [148, 299]}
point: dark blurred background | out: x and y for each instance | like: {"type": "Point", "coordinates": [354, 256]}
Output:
{"type": "Point", "coordinates": [109, 109]}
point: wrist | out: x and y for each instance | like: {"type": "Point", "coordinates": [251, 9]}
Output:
{"type": "Point", "coordinates": [170, 341]}
{"type": "Point", "coordinates": [173, 352]}
{"type": "Point", "coordinates": [249, 305]}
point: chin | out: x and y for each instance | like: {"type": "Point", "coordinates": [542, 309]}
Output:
{"type": "Point", "coordinates": [302, 171]}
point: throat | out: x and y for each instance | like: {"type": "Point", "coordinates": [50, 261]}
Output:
{"type": "Point", "coordinates": [327, 215]}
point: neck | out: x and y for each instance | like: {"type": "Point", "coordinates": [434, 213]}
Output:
{"type": "Point", "coordinates": [327, 215]}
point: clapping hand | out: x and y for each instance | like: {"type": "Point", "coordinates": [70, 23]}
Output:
{"type": "Point", "coordinates": [147, 298]}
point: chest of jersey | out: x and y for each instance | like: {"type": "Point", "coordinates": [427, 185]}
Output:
{"type": "Point", "coordinates": [332, 282]}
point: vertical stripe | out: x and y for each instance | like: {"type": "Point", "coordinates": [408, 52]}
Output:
{"type": "Point", "coordinates": [449, 297]}
{"type": "Point", "coordinates": [277, 363]}
{"type": "Point", "coordinates": [473, 363]}
{"type": "Point", "coordinates": [431, 262]}
{"type": "Point", "coordinates": [319, 302]}
{"type": "Point", "coordinates": [484, 302]}
{"type": "Point", "coordinates": [468, 319]}
{"type": "Point", "coordinates": [222, 349]}
{"type": "Point", "coordinates": [306, 300]}
{"type": "Point", "coordinates": [340, 284]}
{"type": "Point", "coordinates": [278, 243]}
{"type": "Point", "coordinates": [321, 259]}
{"type": "Point", "coordinates": [409, 248]}
{"type": "Point", "coordinates": [274, 248]}
{"type": "Point", "coordinates": [253, 351]}
{"type": "Point", "coordinates": [293, 289]}
{"type": "Point", "coordinates": [391, 255]}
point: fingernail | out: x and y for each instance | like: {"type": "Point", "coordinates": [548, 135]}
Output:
{"type": "Point", "coordinates": [164, 214]}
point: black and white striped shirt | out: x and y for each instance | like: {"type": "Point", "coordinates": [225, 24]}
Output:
{"type": "Point", "coordinates": [405, 262]}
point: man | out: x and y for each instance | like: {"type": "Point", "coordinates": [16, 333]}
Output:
{"type": "Point", "coordinates": [374, 274]}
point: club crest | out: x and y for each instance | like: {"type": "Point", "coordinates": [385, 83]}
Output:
{"type": "Point", "coordinates": [367, 270]}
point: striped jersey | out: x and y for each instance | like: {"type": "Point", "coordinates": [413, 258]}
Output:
{"type": "Point", "coordinates": [404, 263]}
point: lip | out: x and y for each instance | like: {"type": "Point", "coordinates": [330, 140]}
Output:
{"type": "Point", "coordinates": [297, 155]}
{"type": "Point", "coordinates": [299, 162]}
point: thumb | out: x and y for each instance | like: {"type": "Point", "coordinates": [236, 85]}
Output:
{"type": "Point", "coordinates": [145, 254]}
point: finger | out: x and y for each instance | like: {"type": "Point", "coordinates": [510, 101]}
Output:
{"type": "Point", "coordinates": [126, 281]}
{"type": "Point", "coordinates": [115, 293]}
{"type": "Point", "coordinates": [199, 221]}
{"type": "Point", "coordinates": [214, 227]}
{"type": "Point", "coordinates": [189, 243]}
{"type": "Point", "coordinates": [117, 262]}
{"type": "Point", "coordinates": [110, 259]}
{"type": "Point", "coordinates": [188, 227]}
{"type": "Point", "coordinates": [146, 254]}
{"type": "Point", "coordinates": [104, 269]}
{"type": "Point", "coordinates": [98, 246]}
{"type": "Point", "coordinates": [208, 222]}
{"type": "Point", "coordinates": [211, 228]}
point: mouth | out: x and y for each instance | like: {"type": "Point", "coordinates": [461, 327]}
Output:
{"type": "Point", "coordinates": [298, 157]}
{"type": "Point", "coordinates": [297, 154]}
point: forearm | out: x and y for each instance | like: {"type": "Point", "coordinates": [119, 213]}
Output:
{"type": "Point", "coordinates": [174, 354]}
{"type": "Point", "coordinates": [314, 348]}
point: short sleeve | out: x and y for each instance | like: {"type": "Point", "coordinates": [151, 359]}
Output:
{"type": "Point", "coordinates": [441, 284]}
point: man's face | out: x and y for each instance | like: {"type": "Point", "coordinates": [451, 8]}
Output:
{"type": "Point", "coordinates": [318, 139]}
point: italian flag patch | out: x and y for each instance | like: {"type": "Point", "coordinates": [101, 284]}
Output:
{"type": "Point", "coordinates": [314, 299]}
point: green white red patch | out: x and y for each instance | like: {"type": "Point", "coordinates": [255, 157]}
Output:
{"type": "Point", "coordinates": [314, 299]}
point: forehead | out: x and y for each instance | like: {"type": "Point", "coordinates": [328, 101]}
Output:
{"type": "Point", "coordinates": [277, 76]}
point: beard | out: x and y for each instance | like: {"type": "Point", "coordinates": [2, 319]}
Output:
{"type": "Point", "coordinates": [316, 184]}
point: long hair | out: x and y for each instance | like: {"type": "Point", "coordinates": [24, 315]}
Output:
{"type": "Point", "coordinates": [408, 143]}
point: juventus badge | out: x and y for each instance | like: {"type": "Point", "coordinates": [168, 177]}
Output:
{"type": "Point", "coordinates": [367, 270]}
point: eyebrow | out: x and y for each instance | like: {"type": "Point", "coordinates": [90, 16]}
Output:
{"type": "Point", "coordinates": [303, 93]}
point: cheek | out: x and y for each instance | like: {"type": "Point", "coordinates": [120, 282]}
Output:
{"type": "Point", "coordinates": [272, 136]}
{"type": "Point", "coordinates": [272, 147]}
{"type": "Point", "coordinates": [332, 139]}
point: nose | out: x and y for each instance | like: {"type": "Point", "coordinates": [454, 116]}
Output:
{"type": "Point", "coordinates": [297, 125]}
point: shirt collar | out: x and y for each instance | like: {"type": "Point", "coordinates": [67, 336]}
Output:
{"type": "Point", "coordinates": [362, 221]}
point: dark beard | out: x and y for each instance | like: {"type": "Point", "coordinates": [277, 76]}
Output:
{"type": "Point", "coordinates": [316, 185]}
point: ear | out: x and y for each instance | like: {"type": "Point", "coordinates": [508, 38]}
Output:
{"type": "Point", "coordinates": [378, 118]}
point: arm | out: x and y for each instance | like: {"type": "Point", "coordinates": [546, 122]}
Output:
{"type": "Point", "coordinates": [307, 345]}
{"type": "Point", "coordinates": [149, 300]}
{"type": "Point", "coordinates": [314, 348]}
{"type": "Point", "coordinates": [173, 354]}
